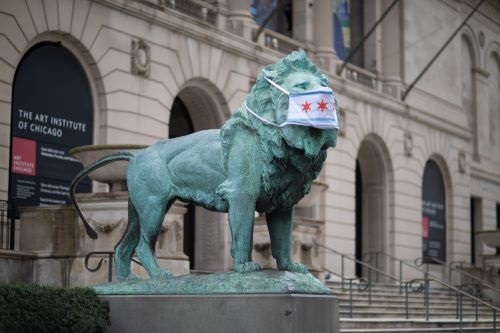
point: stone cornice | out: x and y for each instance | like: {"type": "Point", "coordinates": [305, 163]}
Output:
{"type": "Point", "coordinates": [480, 173]}
{"type": "Point", "coordinates": [481, 72]}
{"type": "Point", "coordinates": [242, 47]}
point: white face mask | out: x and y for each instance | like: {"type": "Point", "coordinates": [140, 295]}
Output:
{"type": "Point", "coordinates": [315, 108]}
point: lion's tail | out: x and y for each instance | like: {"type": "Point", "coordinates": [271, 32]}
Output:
{"type": "Point", "coordinates": [121, 156]}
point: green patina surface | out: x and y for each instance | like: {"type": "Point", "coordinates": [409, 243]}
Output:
{"type": "Point", "coordinates": [261, 282]}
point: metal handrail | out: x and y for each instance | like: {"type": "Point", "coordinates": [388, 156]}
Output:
{"type": "Point", "coordinates": [350, 279]}
{"type": "Point", "coordinates": [424, 285]}
{"type": "Point", "coordinates": [110, 255]}
{"type": "Point", "coordinates": [481, 283]}
{"type": "Point", "coordinates": [459, 268]}
{"type": "Point", "coordinates": [362, 263]}
{"type": "Point", "coordinates": [460, 294]}
{"type": "Point", "coordinates": [8, 214]}
{"type": "Point", "coordinates": [365, 265]}
{"type": "Point", "coordinates": [401, 264]}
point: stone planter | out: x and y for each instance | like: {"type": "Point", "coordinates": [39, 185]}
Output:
{"type": "Point", "coordinates": [304, 249]}
{"type": "Point", "coordinates": [56, 236]}
{"type": "Point", "coordinates": [114, 174]}
{"type": "Point", "coordinates": [308, 206]}
{"type": "Point", "coordinates": [490, 238]}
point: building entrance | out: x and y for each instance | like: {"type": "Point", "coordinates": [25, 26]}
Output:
{"type": "Point", "coordinates": [372, 196]}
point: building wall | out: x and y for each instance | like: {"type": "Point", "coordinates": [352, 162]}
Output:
{"type": "Point", "coordinates": [214, 64]}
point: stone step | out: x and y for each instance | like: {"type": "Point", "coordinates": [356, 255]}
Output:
{"type": "Point", "coordinates": [394, 291]}
{"type": "Point", "coordinates": [386, 288]}
{"type": "Point", "coordinates": [400, 301]}
{"type": "Point", "coordinates": [395, 295]}
{"type": "Point", "coordinates": [413, 308]}
{"type": "Point", "coordinates": [411, 325]}
{"type": "Point", "coordinates": [382, 286]}
{"type": "Point", "coordinates": [387, 311]}
{"type": "Point", "coordinates": [394, 313]}
{"type": "Point", "coordinates": [488, 329]}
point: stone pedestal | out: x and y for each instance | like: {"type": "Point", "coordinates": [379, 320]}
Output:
{"type": "Point", "coordinates": [57, 238]}
{"type": "Point", "coordinates": [287, 313]}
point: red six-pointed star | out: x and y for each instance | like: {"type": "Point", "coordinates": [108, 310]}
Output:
{"type": "Point", "coordinates": [306, 107]}
{"type": "Point", "coordinates": [322, 105]}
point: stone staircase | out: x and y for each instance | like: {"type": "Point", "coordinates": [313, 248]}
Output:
{"type": "Point", "coordinates": [387, 311]}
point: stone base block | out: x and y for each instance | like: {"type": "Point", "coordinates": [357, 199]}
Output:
{"type": "Point", "coordinates": [17, 266]}
{"type": "Point", "coordinates": [290, 313]}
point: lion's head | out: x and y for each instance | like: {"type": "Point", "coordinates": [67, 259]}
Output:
{"type": "Point", "coordinates": [296, 73]}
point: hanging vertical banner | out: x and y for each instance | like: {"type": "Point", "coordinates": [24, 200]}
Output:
{"type": "Point", "coordinates": [433, 214]}
{"type": "Point", "coordinates": [342, 28]}
{"type": "Point", "coordinates": [52, 112]}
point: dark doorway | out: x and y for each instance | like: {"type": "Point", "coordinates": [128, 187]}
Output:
{"type": "Point", "coordinates": [359, 220]}
{"type": "Point", "coordinates": [472, 231]}
{"type": "Point", "coordinates": [180, 125]}
{"type": "Point", "coordinates": [498, 223]}
{"type": "Point", "coordinates": [475, 225]}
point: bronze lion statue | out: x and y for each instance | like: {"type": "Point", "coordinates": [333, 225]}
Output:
{"type": "Point", "coordinates": [251, 164]}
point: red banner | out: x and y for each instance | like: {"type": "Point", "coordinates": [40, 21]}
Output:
{"type": "Point", "coordinates": [23, 156]}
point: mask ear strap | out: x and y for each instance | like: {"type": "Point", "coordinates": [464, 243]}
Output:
{"type": "Point", "coordinates": [264, 120]}
{"type": "Point", "coordinates": [276, 85]}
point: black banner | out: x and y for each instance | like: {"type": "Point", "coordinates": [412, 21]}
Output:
{"type": "Point", "coordinates": [52, 112]}
{"type": "Point", "coordinates": [433, 215]}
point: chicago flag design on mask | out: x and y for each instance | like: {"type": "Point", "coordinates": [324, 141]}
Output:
{"type": "Point", "coordinates": [314, 108]}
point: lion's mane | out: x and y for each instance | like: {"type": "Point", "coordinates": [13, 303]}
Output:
{"type": "Point", "coordinates": [265, 101]}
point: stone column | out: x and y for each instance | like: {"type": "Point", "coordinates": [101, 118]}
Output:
{"type": "Point", "coordinates": [239, 20]}
{"type": "Point", "coordinates": [222, 14]}
{"type": "Point", "coordinates": [323, 34]}
{"type": "Point", "coordinates": [481, 124]}
{"type": "Point", "coordinates": [302, 22]}
{"type": "Point", "coordinates": [389, 55]}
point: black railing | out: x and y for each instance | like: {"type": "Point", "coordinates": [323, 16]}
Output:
{"type": "Point", "coordinates": [102, 259]}
{"type": "Point", "coordinates": [464, 293]}
{"type": "Point", "coordinates": [457, 267]}
{"type": "Point", "coordinates": [379, 257]}
{"type": "Point", "coordinates": [365, 283]}
{"type": "Point", "coordinates": [423, 285]}
{"type": "Point", "coordinates": [7, 225]}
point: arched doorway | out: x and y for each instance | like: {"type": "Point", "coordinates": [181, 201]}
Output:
{"type": "Point", "coordinates": [52, 112]}
{"type": "Point", "coordinates": [200, 106]}
{"type": "Point", "coordinates": [373, 172]}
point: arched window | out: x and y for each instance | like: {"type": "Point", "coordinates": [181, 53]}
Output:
{"type": "Point", "coordinates": [433, 214]}
{"type": "Point", "coordinates": [52, 112]}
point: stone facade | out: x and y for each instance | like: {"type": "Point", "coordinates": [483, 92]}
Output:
{"type": "Point", "coordinates": [139, 55]}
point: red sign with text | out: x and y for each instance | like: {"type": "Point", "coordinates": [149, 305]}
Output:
{"type": "Point", "coordinates": [425, 226]}
{"type": "Point", "coordinates": [23, 156]}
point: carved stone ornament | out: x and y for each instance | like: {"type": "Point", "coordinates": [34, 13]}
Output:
{"type": "Point", "coordinates": [481, 38]}
{"type": "Point", "coordinates": [408, 144]}
{"type": "Point", "coordinates": [342, 122]}
{"type": "Point", "coordinates": [140, 58]}
{"type": "Point", "coordinates": [462, 164]}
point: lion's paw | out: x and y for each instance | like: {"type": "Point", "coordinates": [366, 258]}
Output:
{"type": "Point", "coordinates": [246, 267]}
{"type": "Point", "coordinates": [162, 275]}
{"type": "Point", "coordinates": [129, 278]}
{"type": "Point", "coordinates": [296, 268]}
